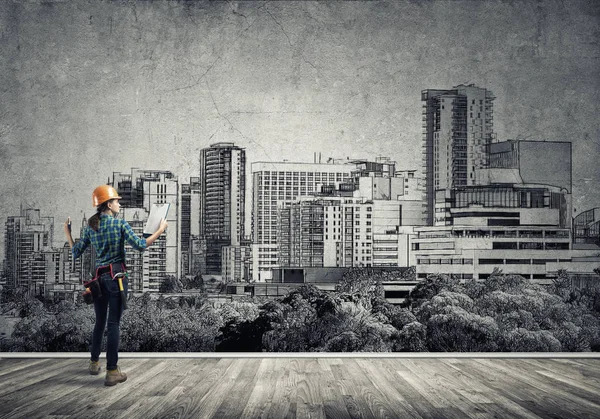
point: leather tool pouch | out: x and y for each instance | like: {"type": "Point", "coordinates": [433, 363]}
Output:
{"type": "Point", "coordinates": [87, 296]}
{"type": "Point", "coordinates": [94, 287]}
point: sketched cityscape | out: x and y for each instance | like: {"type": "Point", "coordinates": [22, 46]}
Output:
{"type": "Point", "coordinates": [477, 203]}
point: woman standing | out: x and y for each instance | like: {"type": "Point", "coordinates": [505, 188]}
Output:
{"type": "Point", "coordinates": [108, 234]}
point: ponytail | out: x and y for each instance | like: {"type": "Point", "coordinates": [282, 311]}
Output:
{"type": "Point", "coordinates": [94, 220]}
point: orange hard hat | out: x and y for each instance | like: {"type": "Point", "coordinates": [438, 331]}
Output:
{"type": "Point", "coordinates": [104, 193]}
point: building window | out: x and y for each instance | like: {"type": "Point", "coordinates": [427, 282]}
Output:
{"type": "Point", "coordinates": [504, 245]}
{"type": "Point", "coordinates": [491, 261]}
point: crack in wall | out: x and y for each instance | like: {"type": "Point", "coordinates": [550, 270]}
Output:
{"type": "Point", "coordinates": [290, 42]}
{"type": "Point", "coordinates": [197, 82]}
{"type": "Point", "coordinates": [280, 112]}
{"type": "Point", "coordinates": [225, 117]}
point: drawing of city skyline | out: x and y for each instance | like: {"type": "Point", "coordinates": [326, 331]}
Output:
{"type": "Point", "coordinates": [148, 86]}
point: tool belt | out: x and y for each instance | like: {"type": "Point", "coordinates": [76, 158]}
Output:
{"type": "Point", "coordinates": [113, 269]}
{"type": "Point", "coordinates": [92, 287]}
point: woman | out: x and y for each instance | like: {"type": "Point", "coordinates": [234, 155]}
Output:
{"type": "Point", "coordinates": [108, 234]}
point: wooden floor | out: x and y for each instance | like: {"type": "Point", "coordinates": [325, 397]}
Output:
{"type": "Point", "coordinates": [305, 387]}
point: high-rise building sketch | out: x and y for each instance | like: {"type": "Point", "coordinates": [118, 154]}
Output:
{"type": "Point", "coordinates": [189, 222]}
{"type": "Point", "coordinates": [458, 131]}
{"type": "Point", "coordinates": [27, 241]}
{"type": "Point", "coordinates": [222, 200]}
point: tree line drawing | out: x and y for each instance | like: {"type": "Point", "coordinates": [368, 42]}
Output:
{"type": "Point", "coordinates": [505, 313]}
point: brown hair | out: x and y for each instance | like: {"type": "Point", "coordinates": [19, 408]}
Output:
{"type": "Point", "coordinates": [94, 220]}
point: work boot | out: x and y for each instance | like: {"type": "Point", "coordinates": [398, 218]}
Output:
{"type": "Point", "coordinates": [114, 377]}
{"type": "Point", "coordinates": [94, 367]}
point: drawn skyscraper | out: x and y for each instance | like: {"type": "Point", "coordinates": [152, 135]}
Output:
{"type": "Point", "coordinates": [457, 135]}
{"type": "Point", "coordinates": [27, 238]}
{"type": "Point", "coordinates": [222, 195]}
{"type": "Point", "coordinates": [190, 223]}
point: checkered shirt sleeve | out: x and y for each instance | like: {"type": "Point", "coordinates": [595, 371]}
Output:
{"type": "Point", "coordinates": [133, 239]}
{"type": "Point", "coordinates": [82, 244]}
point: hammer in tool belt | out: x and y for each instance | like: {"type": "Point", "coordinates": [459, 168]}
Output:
{"type": "Point", "coordinates": [119, 277]}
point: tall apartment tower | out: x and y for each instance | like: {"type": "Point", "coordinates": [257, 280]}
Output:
{"type": "Point", "coordinates": [84, 267]}
{"type": "Point", "coordinates": [139, 190]}
{"type": "Point", "coordinates": [457, 135]}
{"type": "Point", "coordinates": [27, 238]}
{"type": "Point", "coordinates": [277, 182]}
{"type": "Point", "coordinates": [222, 195]}
{"type": "Point", "coordinates": [189, 221]}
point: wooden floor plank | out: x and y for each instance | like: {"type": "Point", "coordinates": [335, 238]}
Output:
{"type": "Point", "coordinates": [261, 395]}
{"type": "Point", "coordinates": [18, 380]}
{"type": "Point", "coordinates": [350, 389]}
{"type": "Point", "coordinates": [425, 383]}
{"type": "Point", "coordinates": [582, 394]}
{"type": "Point", "coordinates": [337, 388]}
{"type": "Point", "coordinates": [495, 402]}
{"type": "Point", "coordinates": [585, 390]}
{"type": "Point", "coordinates": [202, 376]}
{"type": "Point", "coordinates": [208, 404]}
{"type": "Point", "coordinates": [532, 393]}
{"type": "Point", "coordinates": [10, 366]}
{"type": "Point", "coordinates": [366, 394]}
{"type": "Point", "coordinates": [378, 378]}
{"type": "Point", "coordinates": [333, 404]}
{"type": "Point", "coordinates": [109, 400]}
{"type": "Point", "coordinates": [196, 386]}
{"type": "Point", "coordinates": [589, 372]}
{"type": "Point", "coordinates": [158, 401]}
{"type": "Point", "coordinates": [393, 371]}
{"type": "Point", "coordinates": [242, 387]}
{"type": "Point", "coordinates": [582, 364]}
{"type": "Point", "coordinates": [284, 397]}
{"type": "Point", "coordinates": [64, 382]}
{"type": "Point", "coordinates": [70, 402]}
{"type": "Point", "coordinates": [469, 401]}
{"type": "Point", "coordinates": [482, 400]}
{"type": "Point", "coordinates": [151, 406]}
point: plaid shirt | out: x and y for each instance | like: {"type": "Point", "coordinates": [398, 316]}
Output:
{"type": "Point", "coordinates": [109, 240]}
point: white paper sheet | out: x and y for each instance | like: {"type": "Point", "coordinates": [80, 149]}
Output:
{"type": "Point", "coordinates": [157, 213]}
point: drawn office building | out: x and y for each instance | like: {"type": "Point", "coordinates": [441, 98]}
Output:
{"type": "Point", "coordinates": [516, 217]}
{"type": "Point", "coordinates": [364, 222]}
{"type": "Point", "coordinates": [273, 183]}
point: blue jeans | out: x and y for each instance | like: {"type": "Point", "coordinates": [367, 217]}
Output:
{"type": "Point", "coordinates": [109, 304]}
